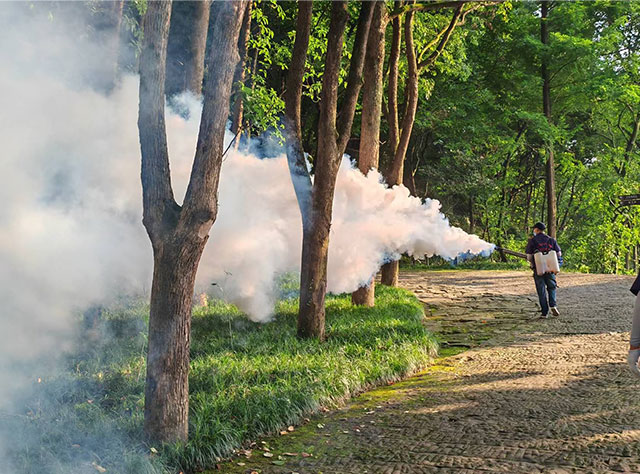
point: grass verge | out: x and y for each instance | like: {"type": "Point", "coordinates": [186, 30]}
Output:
{"type": "Point", "coordinates": [472, 264]}
{"type": "Point", "coordinates": [247, 380]}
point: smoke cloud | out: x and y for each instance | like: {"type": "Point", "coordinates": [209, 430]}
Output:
{"type": "Point", "coordinates": [71, 216]}
{"type": "Point", "coordinates": [257, 235]}
{"type": "Point", "coordinates": [258, 232]}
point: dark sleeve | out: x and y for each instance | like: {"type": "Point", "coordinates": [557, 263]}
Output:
{"type": "Point", "coordinates": [530, 247]}
{"type": "Point", "coordinates": [635, 288]}
{"type": "Point", "coordinates": [556, 247]}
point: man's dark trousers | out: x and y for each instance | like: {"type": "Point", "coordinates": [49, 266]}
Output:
{"type": "Point", "coordinates": [544, 283]}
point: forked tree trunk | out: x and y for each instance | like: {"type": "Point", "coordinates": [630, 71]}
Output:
{"type": "Point", "coordinates": [178, 234]}
{"type": "Point", "coordinates": [333, 135]}
{"type": "Point", "coordinates": [372, 89]}
{"type": "Point", "coordinates": [546, 103]}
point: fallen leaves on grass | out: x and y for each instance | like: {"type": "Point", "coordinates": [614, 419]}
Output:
{"type": "Point", "coordinates": [98, 467]}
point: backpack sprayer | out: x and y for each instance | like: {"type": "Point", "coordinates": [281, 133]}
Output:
{"type": "Point", "coordinates": [546, 262]}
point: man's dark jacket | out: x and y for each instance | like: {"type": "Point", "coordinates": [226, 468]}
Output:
{"type": "Point", "coordinates": [635, 288]}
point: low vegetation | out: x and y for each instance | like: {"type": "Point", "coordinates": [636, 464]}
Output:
{"type": "Point", "coordinates": [247, 379]}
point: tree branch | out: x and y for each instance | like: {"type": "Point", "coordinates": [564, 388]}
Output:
{"type": "Point", "coordinates": [329, 99]}
{"type": "Point", "coordinates": [444, 40]}
{"type": "Point", "coordinates": [354, 82]}
{"type": "Point", "coordinates": [157, 195]}
{"type": "Point", "coordinates": [421, 7]}
{"type": "Point", "coordinates": [392, 105]}
{"type": "Point", "coordinates": [293, 94]}
{"type": "Point", "coordinates": [292, 121]}
{"type": "Point", "coordinates": [394, 176]}
{"type": "Point", "coordinates": [201, 201]}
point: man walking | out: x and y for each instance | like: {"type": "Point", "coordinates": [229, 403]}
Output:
{"type": "Point", "coordinates": [541, 242]}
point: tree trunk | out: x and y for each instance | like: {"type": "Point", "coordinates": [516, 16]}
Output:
{"type": "Point", "coordinates": [107, 26]}
{"type": "Point", "coordinates": [333, 135]}
{"type": "Point", "coordinates": [187, 46]}
{"type": "Point", "coordinates": [392, 107]}
{"type": "Point", "coordinates": [178, 234]}
{"type": "Point", "coordinates": [238, 78]}
{"type": "Point", "coordinates": [197, 46]}
{"type": "Point", "coordinates": [546, 104]}
{"type": "Point", "coordinates": [394, 176]}
{"type": "Point", "coordinates": [166, 408]}
{"type": "Point", "coordinates": [631, 144]}
{"type": "Point", "coordinates": [399, 138]}
{"type": "Point", "coordinates": [390, 270]}
{"type": "Point", "coordinates": [292, 117]}
{"type": "Point", "coordinates": [372, 90]}
{"type": "Point", "coordinates": [527, 208]}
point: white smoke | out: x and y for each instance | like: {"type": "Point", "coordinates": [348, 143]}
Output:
{"type": "Point", "coordinates": [71, 217]}
{"type": "Point", "coordinates": [71, 232]}
{"type": "Point", "coordinates": [257, 235]}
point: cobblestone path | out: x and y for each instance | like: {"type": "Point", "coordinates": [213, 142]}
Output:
{"type": "Point", "coordinates": [530, 396]}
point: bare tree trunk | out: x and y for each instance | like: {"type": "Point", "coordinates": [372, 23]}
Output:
{"type": "Point", "coordinates": [546, 103]}
{"type": "Point", "coordinates": [333, 134]}
{"type": "Point", "coordinates": [197, 46]}
{"type": "Point", "coordinates": [372, 90]}
{"type": "Point", "coordinates": [178, 234]}
{"type": "Point", "coordinates": [238, 78]}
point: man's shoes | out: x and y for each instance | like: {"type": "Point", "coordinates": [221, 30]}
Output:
{"type": "Point", "coordinates": [554, 311]}
{"type": "Point", "coordinates": [632, 360]}
{"type": "Point", "coordinates": [544, 316]}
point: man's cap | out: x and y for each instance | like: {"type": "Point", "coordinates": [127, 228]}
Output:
{"type": "Point", "coordinates": [539, 225]}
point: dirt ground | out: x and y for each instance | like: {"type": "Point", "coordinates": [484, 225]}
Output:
{"type": "Point", "coordinates": [529, 396]}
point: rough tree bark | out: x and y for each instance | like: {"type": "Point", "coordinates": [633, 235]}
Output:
{"type": "Point", "coordinates": [546, 105]}
{"type": "Point", "coordinates": [400, 134]}
{"type": "Point", "coordinates": [372, 90]}
{"type": "Point", "coordinates": [178, 233]}
{"type": "Point", "coordinates": [238, 77]}
{"type": "Point", "coordinates": [333, 135]}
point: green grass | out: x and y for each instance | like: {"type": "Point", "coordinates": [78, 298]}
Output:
{"type": "Point", "coordinates": [477, 263]}
{"type": "Point", "coordinates": [247, 380]}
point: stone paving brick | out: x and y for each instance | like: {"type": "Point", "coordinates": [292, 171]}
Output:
{"type": "Point", "coordinates": [530, 396]}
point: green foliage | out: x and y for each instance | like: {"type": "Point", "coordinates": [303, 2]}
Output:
{"type": "Point", "coordinates": [247, 379]}
{"type": "Point", "coordinates": [481, 143]}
